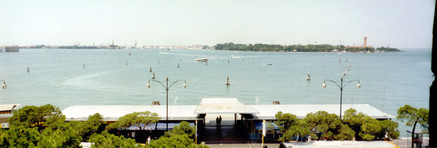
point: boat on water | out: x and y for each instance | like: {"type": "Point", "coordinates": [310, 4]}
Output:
{"type": "Point", "coordinates": [202, 60]}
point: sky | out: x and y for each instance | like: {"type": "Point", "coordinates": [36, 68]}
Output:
{"type": "Point", "coordinates": [394, 23]}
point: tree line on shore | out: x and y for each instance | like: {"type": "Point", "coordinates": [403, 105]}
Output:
{"type": "Point", "coordinates": [45, 126]}
{"type": "Point", "coordinates": [299, 48]}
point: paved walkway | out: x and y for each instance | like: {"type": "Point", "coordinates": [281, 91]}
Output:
{"type": "Point", "coordinates": [224, 134]}
{"type": "Point", "coordinates": [406, 142]}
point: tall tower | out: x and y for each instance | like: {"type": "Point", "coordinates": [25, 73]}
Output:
{"type": "Point", "coordinates": [365, 42]}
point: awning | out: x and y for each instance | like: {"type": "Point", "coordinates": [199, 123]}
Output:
{"type": "Point", "coordinates": [223, 106]}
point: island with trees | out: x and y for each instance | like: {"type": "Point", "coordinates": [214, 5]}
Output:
{"type": "Point", "coordinates": [300, 48]}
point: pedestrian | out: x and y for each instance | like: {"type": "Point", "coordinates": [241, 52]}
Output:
{"type": "Point", "coordinates": [217, 121]}
{"type": "Point", "coordinates": [148, 140]}
{"type": "Point", "coordinates": [220, 120]}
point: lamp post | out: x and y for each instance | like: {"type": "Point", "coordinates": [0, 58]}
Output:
{"type": "Point", "coordinates": [167, 87]}
{"type": "Point", "coordinates": [341, 86]}
{"type": "Point", "coordinates": [4, 86]}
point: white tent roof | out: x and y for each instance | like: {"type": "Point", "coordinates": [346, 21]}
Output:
{"type": "Point", "coordinates": [8, 107]}
{"type": "Point", "coordinates": [301, 110]}
{"type": "Point", "coordinates": [223, 106]}
{"type": "Point", "coordinates": [113, 112]}
{"type": "Point", "coordinates": [216, 106]}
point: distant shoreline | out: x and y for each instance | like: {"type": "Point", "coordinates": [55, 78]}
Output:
{"type": "Point", "coordinates": [302, 48]}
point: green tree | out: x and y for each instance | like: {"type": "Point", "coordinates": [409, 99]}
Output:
{"type": "Point", "coordinates": [63, 136]}
{"type": "Point", "coordinates": [184, 128]}
{"type": "Point", "coordinates": [329, 124]}
{"type": "Point", "coordinates": [87, 128]}
{"type": "Point", "coordinates": [298, 128]}
{"type": "Point", "coordinates": [345, 133]}
{"type": "Point", "coordinates": [390, 128]}
{"type": "Point", "coordinates": [285, 120]}
{"type": "Point", "coordinates": [19, 136]}
{"type": "Point", "coordinates": [367, 128]}
{"type": "Point", "coordinates": [413, 116]}
{"type": "Point", "coordinates": [136, 118]}
{"type": "Point", "coordinates": [180, 136]}
{"type": "Point", "coordinates": [33, 116]}
{"type": "Point", "coordinates": [106, 140]}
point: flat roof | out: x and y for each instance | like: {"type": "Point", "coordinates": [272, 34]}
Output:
{"type": "Point", "coordinates": [216, 106]}
{"type": "Point", "coordinates": [301, 110]}
{"type": "Point", "coordinates": [223, 106]}
{"type": "Point", "coordinates": [8, 107]}
{"type": "Point", "coordinates": [113, 112]}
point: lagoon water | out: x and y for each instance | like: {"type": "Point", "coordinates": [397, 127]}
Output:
{"type": "Point", "coordinates": [66, 77]}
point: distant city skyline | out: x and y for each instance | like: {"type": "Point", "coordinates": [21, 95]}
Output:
{"type": "Point", "coordinates": [399, 24]}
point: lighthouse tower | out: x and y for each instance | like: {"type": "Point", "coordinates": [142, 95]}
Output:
{"type": "Point", "coordinates": [365, 42]}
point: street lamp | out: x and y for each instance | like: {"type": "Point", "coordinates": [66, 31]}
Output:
{"type": "Point", "coordinates": [167, 87]}
{"type": "Point", "coordinates": [4, 86]}
{"type": "Point", "coordinates": [341, 86]}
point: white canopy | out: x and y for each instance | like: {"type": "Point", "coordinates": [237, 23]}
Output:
{"type": "Point", "coordinates": [223, 106]}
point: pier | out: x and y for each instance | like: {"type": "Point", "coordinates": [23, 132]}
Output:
{"type": "Point", "coordinates": [241, 123]}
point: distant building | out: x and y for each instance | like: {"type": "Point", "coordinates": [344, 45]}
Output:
{"type": "Point", "coordinates": [365, 42]}
{"type": "Point", "coordinates": [361, 46]}
{"type": "Point", "coordinates": [10, 49]}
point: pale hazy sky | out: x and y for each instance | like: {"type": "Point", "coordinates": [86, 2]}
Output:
{"type": "Point", "coordinates": [397, 23]}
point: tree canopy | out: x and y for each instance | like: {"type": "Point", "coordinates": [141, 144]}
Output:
{"type": "Point", "coordinates": [108, 140]}
{"type": "Point", "coordinates": [139, 119]}
{"type": "Point", "coordinates": [33, 116]}
{"type": "Point", "coordinates": [413, 116]}
{"type": "Point", "coordinates": [329, 126]}
{"type": "Point", "coordinates": [45, 126]}
{"type": "Point", "coordinates": [387, 49]}
{"type": "Point", "coordinates": [180, 136]}
{"type": "Point", "coordinates": [297, 48]}
{"type": "Point", "coordinates": [367, 128]}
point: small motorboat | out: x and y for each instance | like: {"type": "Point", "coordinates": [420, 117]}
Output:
{"type": "Point", "coordinates": [202, 60]}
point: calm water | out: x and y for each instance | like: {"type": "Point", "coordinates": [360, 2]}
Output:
{"type": "Point", "coordinates": [113, 77]}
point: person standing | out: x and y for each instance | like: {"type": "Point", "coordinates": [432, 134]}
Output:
{"type": "Point", "coordinates": [217, 121]}
{"type": "Point", "coordinates": [148, 140]}
{"type": "Point", "coordinates": [220, 120]}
